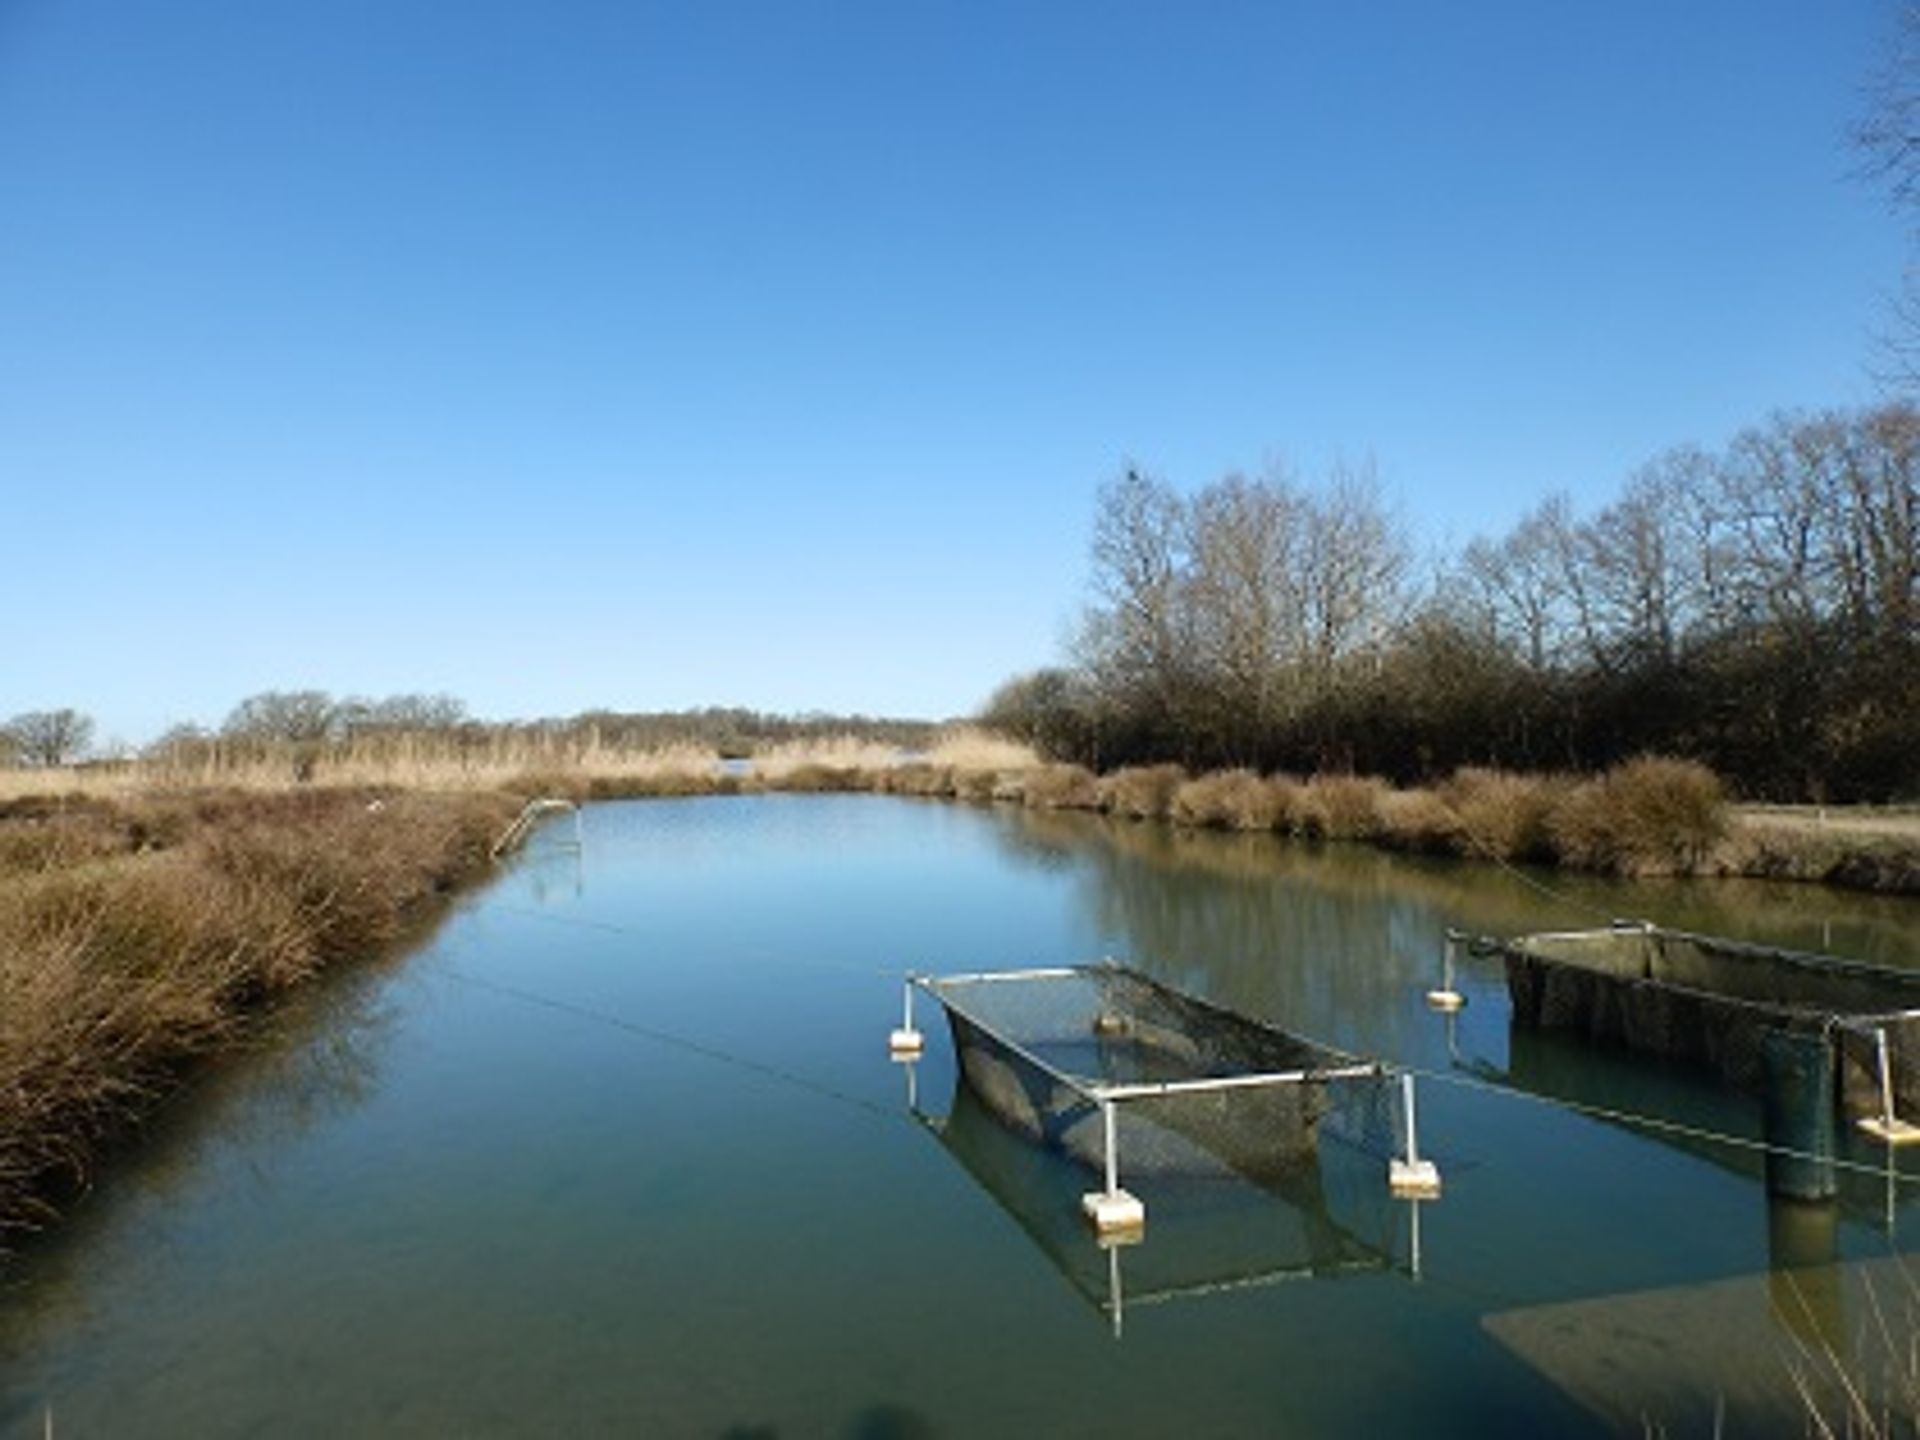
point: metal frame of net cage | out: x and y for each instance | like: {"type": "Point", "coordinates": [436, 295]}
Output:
{"type": "Point", "coordinates": [1814, 1036]}
{"type": "Point", "coordinates": [1101, 1061]}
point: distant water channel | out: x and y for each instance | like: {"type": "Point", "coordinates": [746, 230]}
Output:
{"type": "Point", "coordinates": [618, 1149]}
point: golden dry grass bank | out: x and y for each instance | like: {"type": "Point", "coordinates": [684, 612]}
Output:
{"type": "Point", "coordinates": [1646, 817]}
{"type": "Point", "coordinates": [139, 935]}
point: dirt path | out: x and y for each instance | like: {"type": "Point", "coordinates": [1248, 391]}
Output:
{"type": "Point", "coordinates": [1902, 822]}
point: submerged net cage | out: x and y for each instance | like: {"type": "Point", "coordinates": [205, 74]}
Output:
{"type": "Point", "coordinates": [1212, 1236]}
{"type": "Point", "coordinates": [1188, 1088]}
{"type": "Point", "coordinates": [1717, 1002]}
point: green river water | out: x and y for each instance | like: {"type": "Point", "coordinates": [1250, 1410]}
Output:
{"type": "Point", "coordinates": [618, 1149]}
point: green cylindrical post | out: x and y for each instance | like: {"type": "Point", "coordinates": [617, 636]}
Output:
{"type": "Point", "coordinates": [1798, 1067]}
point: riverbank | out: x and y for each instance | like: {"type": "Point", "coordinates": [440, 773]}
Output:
{"type": "Point", "coordinates": [143, 924]}
{"type": "Point", "coordinates": [142, 934]}
{"type": "Point", "coordinates": [1647, 817]}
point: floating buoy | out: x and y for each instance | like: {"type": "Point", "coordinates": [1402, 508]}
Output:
{"type": "Point", "coordinates": [1890, 1132]}
{"type": "Point", "coordinates": [1447, 999]}
{"type": "Point", "coordinates": [1409, 1177]}
{"type": "Point", "coordinates": [1114, 1213]}
{"type": "Point", "coordinates": [1413, 1179]}
{"type": "Point", "coordinates": [1886, 1127]}
{"type": "Point", "coordinates": [905, 1043]}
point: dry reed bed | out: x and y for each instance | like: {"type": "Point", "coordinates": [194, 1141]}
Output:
{"type": "Point", "coordinates": [138, 936]}
{"type": "Point", "coordinates": [1649, 816]}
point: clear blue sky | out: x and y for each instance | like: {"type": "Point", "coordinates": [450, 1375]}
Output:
{"type": "Point", "coordinates": [645, 356]}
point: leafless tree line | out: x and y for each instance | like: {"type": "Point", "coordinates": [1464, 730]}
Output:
{"type": "Point", "coordinates": [305, 727]}
{"type": "Point", "coordinates": [1754, 608]}
{"type": "Point", "coordinates": [1888, 138]}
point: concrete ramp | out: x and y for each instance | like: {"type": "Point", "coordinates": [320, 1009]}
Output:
{"type": "Point", "coordinates": [1830, 1349]}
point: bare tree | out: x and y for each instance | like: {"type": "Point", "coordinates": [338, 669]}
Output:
{"type": "Point", "coordinates": [50, 737]}
{"type": "Point", "coordinates": [289, 716]}
{"type": "Point", "coordinates": [1134, 640]}
{"type": "Point", "coordinates": [1877, 543]}
{"type": "Point", "coordinates": [1647, 574]}
{"type": "Point", "coordinates": [1244, 545]}
{"type": "Point", "coordinates": [419, 714]}
{"type": "Point", "coordinates": [296, 724]}
{"type": "Point", "coordinates": [1521, 595]}
{"type": "Point", "coordinates": [1353, 569]}
{"type": "Point", "coordinates": [1888, 136]}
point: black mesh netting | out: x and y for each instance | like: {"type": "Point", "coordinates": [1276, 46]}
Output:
{"type": "Point", "coordinates": [1708, 1001]}
{"type": "Point", "coordinates": [1042, 1051]}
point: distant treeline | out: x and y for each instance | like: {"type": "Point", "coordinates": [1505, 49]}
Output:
{"type": "Point", "coordinates": [1752, 608]}
{"type": "Point", "coordinates": [313, 720]}
{"type": "Point", "coordinates": [309, 726]}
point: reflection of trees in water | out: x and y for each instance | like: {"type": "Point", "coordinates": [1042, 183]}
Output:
{"type": "Point", "coordinates": [1172, 873]}
{"type": "Point", "coordinates": [1332, 944]}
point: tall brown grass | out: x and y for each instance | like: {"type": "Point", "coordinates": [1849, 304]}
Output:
{"type": "Point", "coordinates": [1141, 792]}
{"type": "Point", "coordinates": [1502, 815]}
{"type": "Point", "coordinates": [137, 937]}
{"type": "Point", "coordinates": [1341, 807]}
{"type": "Point", "coordinates": [1061, 787]}
{"type": "Point", "coordinates": [1227, 800]}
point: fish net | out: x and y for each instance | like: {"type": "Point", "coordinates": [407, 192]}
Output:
{"type": "Point", "coordinates": [1713, 1002]}
{"type": "Point", "coordinates": [1195, 1089]}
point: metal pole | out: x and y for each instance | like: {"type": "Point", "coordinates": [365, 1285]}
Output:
{"type": "Point", "coordinates": [907, 991]}
{"type": "Point", "coordinates": [1886, 1074]}
{"type": "Point", "coordinates": [1113, 1159]}
{"type": "Point", "coordinates": [1413, 1221]}
{"type": "Point", "coordinates": [1406, 1099]}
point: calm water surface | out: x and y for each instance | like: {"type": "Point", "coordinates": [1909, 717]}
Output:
{"type": "Point", "coordinates": [619, 1150]}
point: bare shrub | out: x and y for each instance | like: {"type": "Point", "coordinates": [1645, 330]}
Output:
{"type": "Point", "coordinates": [1342, 807]}
{"type": "Point", "coordinates": [1009, 787]}
{"type": "Point", "coordinates": [1288, 796]}
{"type": "Point", "coordinates": [1062, 787]}
{"type": "Point", "coordinates": [812, 778]}
{"type": "Point", "coordinates": [1418, 820]}
{"type": "Point", "coordinates": [1226, 800]}
{"type": "Point", "coordinates": [1504, 816]}
{"type": "Point", "coordinates": [1648, 816]}
{"type": "Point", "coordinates": [976, 786]}
{"type": "Point", "coordinates": [916, 779]}
{"type": "Point", "coordinates": [1141, 792]}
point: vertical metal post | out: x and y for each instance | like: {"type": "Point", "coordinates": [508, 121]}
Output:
{"type": "Point", "coordinates": [1892, 1185]}
{"type": "Point", "coordinates": [1113, 1158]}
{"type": "Point", "coordinates": [1886, 1074]}
{"type": "Point", "coordinates": [1115, 1300]}
{"type": "Point", "coordinates": [1447, 999]}
{"type": "Point", "coordinates": [1413, 1234]}
{"type": "Point", "coordinates": [1406, 1101]}
{"type": "Point", "coordinates": [906, 1042]}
